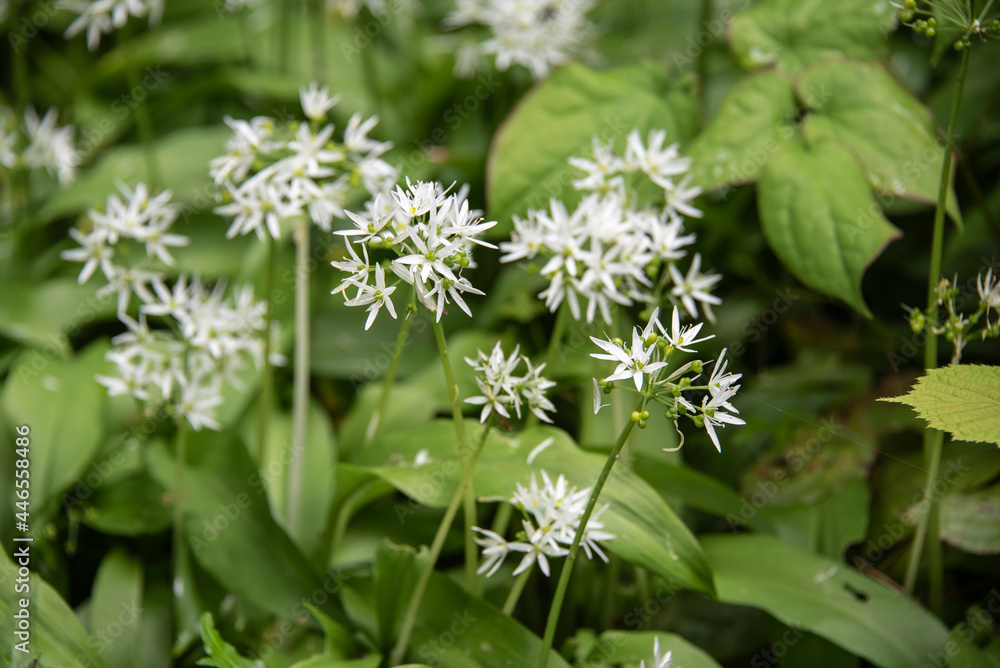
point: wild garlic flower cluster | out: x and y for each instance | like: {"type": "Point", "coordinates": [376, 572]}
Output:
{"type": "Point", "coordinates": [501, 389]}
{"type": "Point", "coordinates": [39, 143]}
{"type": "Point", "coordinates": [209, 336]}
{"type": "Point", "coordinates": [645, 361]}
{"type": "Point", "coordinates": [128, 241]}
{"type": "Point", "coordinates": [276, 171]}
{"type": "Point", "coordinates": [103, 17]}
{"type": "Point", "coordinates": [210, 339]}
{"type": "Point", "coordinates": [536, 34]}
{"type": "Point", "coordinates": [427, 235]}
{"type": "Point", "coordinates": [616, 248]}
{"type": "Point", "coordinates": [552, 516]}
{"type": "Point", "coordinates": [957, 327]}
{"type": "Point", "coordinates": [659, 661]}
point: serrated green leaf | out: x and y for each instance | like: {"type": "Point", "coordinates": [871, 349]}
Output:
{"type": "Point", "coordinates": [648, 533]}
{"type": "Point", "coordinates": [819, 217]}
{"type": "Point", "coordinates": [752, 121]}
{"type": "Point", "coordinates": [894, 136]}
{"type": "Point", "coordinates": [56, 635]}
{"type": "Point", "coordinates": [963, 400]}
{"type": "Point", "coordinates": [528, 161]}
{"type": "Point", "coordinates": [793, 33]}
{"type": "Point", "coordinates": [825, 597]}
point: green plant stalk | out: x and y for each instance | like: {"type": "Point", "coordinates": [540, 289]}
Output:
{"type": "Point", "coordinates": [567, 568]}
{"type": "Point", "coordinates": [933, 439]}
{"type": "Point", "coordinates": [317, 23]}
{"type": "Point", "coordinates": [284, 32]}
{"type": "Point", "coordinates": [267, 375]}
{"type": "Point", "coordinates": [180, 459]}
{"type": "Point", "coordinates": [22, 83]}
{"type": "Point", "coordinates": [463, 453]}
{"type": "Point", "coordinates": [143, 121]}
{"type": "Point", "coordinates": [410, 618]}
{"type": "Point", "coordinates": [703, 20]}
{"type": "Point", "coordinates": [390, 376]}
{"type": "Point", "coordinates": [515, 592]}
{"type": "Point", "coordinates": [300, 397]}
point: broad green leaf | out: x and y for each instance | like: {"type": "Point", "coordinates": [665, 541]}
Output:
{"type": "Point", "coordinates": [43, 316]}
{"type": "Point", "coordinates": [648, 533]}
{"type": "Point", "coordinates": [131, 507]}
{"type": "Point", "coordinates": [116, 609]}
{"type": "Point", "coordinates": [221, 654]}
{"type": "Point", "coordinates": [337, 643]}
{"type": "Point", "coordinates": [793, 33]}
{"type": "Point", "coordinates": [963, 400]}
{"type": "Point", "coordinates": [631, 647]}
{"type": "Point", "coordinates": [231, 532]}
{"type": "Point", "coordinates": [970, 520]}
{"type": "Point", "coordinates": [966, 650]}
{"type": "Point", "coordinates": [458, 630]}
{"type": "Point", "coordinates": [752, 121]}
{"type": "Point", "coordinates": [819, 217]}
{"type": "Point", "coordinates": [824, 597]}
{"type": "Point", "coordinates": [319, 469]}
{"type": "Point", "coordinates": [394, 574]}
{"type": "Point", "coordinates": [893, 135]}
{"type": "Point", "coordinates": [62, 404]}
{"type": "Point", "coordinates": [557, 120]}
{"type": "Point", "coordinates": [181, 157]}
{"type": "Point", "coordinates": [828, 527]}
{"type": "Point", "coordinates": [56, 635]}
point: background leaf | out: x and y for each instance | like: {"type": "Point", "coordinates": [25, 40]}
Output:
{"type": "Point", "coordinates": [963, 400]}
{"type": "Point", "coordinates": [819, 217]}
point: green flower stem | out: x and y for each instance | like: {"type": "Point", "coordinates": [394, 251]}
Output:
{"type": "Point", "coordinates": [402, 340]}
{"type": "Point", "coordinates": [463, 453]}
{"type": "Point", "coordinates": [300, 398]}
{"type": "Point", "coordinates": [317, 22]}
{"type": "Point", "coordinates": [399, 651]}
{"type": "Point", "coordinates": [567, 568]}
{"type": "Point", "coordinates": [515, 592]}
{"type": "Point", "coordinates": [563, 317]}
{"type": "Point", "coordinates": [285, 11]}
{"type": "Point", "coordinates": [180, 459]}
{"type": "Point", "coordinates": [703, 20]}
{"type": "Point", "coordinates": [22, 82]}
{"type": "Point", "coordinates": [267, 375]}
{"type": "Point", "coordinates": [934, 440]}
{"type": "Point", "coordinates": [143, 121]}
{"type": "Point", "coordinates": [502, 519]}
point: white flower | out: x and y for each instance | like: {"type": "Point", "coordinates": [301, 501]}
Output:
{"type": "Point", "coordinates": [377, 296]}
{"type": "Point", "coordinates": [658, 661]}
{"type": "Point", "coordinates": [103, 16]}
{"type": "Point", "coordinates": [50, 146]}
{"type": "Point", "coordinates": [716, 402]}
{"type": "Point", "coordinates": [684, 336]}
{"type": "Point", "coordinates": [555, 510]}
{"type": "Point", "coordinates": [316, 101]}
{"type": "Point", "coordinates": [694, 287]}
{"type": "Point", "coordinates": [198, 401]}
{"type": "Point", "coordinates": [501, 388]}
{"type": "Point", "coordinates": [93, 252]}
{"type": "Point", "coordinates": [536, 34]}
{"type": "Point", "coordinates": [633, 362]}
{"type": "Point", "coordinates": [658, 163]}
{"type": "Point", "coordinates": [989, 289]}
{"type": "Point", "coordinates": [259, 205]}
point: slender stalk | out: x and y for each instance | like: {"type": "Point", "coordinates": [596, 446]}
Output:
{"type": "Point", "coordinates": [402, 340]}
{"type": "Point", "coordinates": [933, 440]}
{"type": "Point", "coordinates": [317, 22]}
{"type": "Point", "coordinates": [285, 10]}
{"type": "Point", "coordinates": [180, 459]}
{"type": "Point", "coordinates": [267, 376]}
{"type": "Point", "coordinates": [300, 398]}
{"type": "Point", "coordinates": [567, 568]}
{"type": "Point", "coordinates": [399, 651]}
{"type": "Point", "coordinates": [704, 19]}
{"type": "Point", "coordinates": [563, 317]}
{"type": "Point", "coordinates": [515, 592]}
{"type": "Point", "coordinates": [22, 83]}
{"type": "Point", "coordinates": [463, 453]}
{"type": "Point", "coordinates": [143, 121]}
